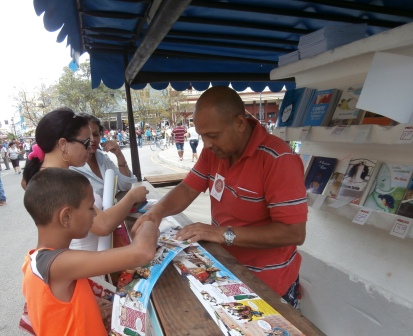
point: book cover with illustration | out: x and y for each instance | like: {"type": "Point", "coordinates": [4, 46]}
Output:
{"type": "Point", "coordinates": [319, 174]}
{"type": "Point", "coordinates": [321, 108]}
{"type": "Point", "coordinates": [336, 178]}
{"type": "Point", "coordinates": [294, 104]}
{"type": "Point", "coordinates": [357, 180]}
{"type": "Point", "coordinates": [346, 112]}
{"type": "Point", "coordinates": [406, 205]}
{"type": "Point", "coordinates": [389, 187]}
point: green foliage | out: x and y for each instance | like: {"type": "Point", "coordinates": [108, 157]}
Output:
{"type": "Point", "coordinates": [74, 90]}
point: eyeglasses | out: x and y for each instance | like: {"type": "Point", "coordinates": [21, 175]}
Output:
{"type": "Point", "coordinates": [85, 143]}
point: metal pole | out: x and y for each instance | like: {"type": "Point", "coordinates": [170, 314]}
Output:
{"type": "Point", "coordinates": [136, 166]}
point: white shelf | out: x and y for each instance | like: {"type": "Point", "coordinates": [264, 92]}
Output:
{"type": "Point", "coordinates": [347, 64]}
{"type": "Point", "coordinates": [367, 134]}
{"type": "Point", "coordinates": [379, 219]}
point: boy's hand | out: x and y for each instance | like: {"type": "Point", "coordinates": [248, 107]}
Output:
{"type": "Point", "coordinates": [148, 216]}
{"type": "Point", "coordinates": [137, 194]}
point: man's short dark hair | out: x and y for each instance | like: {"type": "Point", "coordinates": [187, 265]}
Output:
{"type": "Point", "coordinates": [50, 190]}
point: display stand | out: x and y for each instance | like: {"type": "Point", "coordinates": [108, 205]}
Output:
{"type": "Point", "coordinates": [180, 312]}
{"type": "Point", "coordinates": [353, 276]}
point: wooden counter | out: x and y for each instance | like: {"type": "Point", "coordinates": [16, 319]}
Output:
{"type": "Point", "coordinates": [181, 313]}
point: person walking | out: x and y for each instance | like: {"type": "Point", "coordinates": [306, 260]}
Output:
{"type": "Point", "coordinates": [193, 137]}
{"type": "Point", "coordinates": [3, 198]}
{"type": "Point", "coordinates": [179, 134]}
{"type": "Point", "coordinates": [13, 154]}
{"type": "Point", "coordinates": [5, 158]}
{"type": "Point", "coordinates": [139, 136]}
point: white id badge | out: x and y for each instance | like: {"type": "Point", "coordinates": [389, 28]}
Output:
{"type": "Point", "coordinates": [218, 187]}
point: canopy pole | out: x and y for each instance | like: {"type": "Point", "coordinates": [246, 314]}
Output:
{"type": "Point", "coordinates": [136, 166]}
{"type": "Point", "coordinates": [167, 14]}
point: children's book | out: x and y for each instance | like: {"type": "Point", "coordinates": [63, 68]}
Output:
{"type": "Point", "coordinates": [336, 178]}
{"type": "Point", "coordinates": [406, 205]}
{"type": "Point", "coordinates": [359, 176]}
{"type": "Point", "coordinates": [346, 112]}
{"type": "Point", "coordinates": [319, 174]}
{"type": "Point", "coordinates": [293, 106]}
{"type": "Point", "coordinates": [389, 187]}
{"type": "Point", "coordinates": [321, 108]}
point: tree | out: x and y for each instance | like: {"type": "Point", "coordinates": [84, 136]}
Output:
{"type": "Point", "coordinates": [33, 105]}
{"type": "Point", "coordinates": [74, 90]}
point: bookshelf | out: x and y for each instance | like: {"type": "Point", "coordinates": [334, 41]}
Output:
{"type": "Point", "coordinates": [349, 268]}
{"type": "Point", "coordinates": [348, 63]}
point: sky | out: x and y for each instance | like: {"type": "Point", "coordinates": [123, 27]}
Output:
{"type": "Point", "coordinates": [30, 54]}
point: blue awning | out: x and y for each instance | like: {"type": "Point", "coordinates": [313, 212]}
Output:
{"type": "Point", "coordinates": [194, 43]}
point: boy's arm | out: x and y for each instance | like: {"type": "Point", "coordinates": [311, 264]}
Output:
{"type": "Point", "coordinates": [107, 221]}
{"type": "Point", "coordinates": [71, 265]}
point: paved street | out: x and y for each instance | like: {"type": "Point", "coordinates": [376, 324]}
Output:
{"type": "Point", "coordinates": [18, 232]}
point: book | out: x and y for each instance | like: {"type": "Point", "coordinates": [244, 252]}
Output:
{"type": "Point", "coordinates": [406, 204]}
{"type": "Point", "coordinates": [319, 174]}
{"type": "Point", "coordinates": [307, 161]}
{"type": "Point", "coordinates": [321, 107]}
{"type": "Point", "coordinates": [377, 119]}
{"type": "Point", "coordinates": [357, 180]}
{"type": "Point", "coordinates": [293, 106]}
{"type": "Point", "coordinates": [346, 112]}
{"type": "Point", "coordinates": [389, 187]}
{"type": "Point", "coordinates": [336, 178]}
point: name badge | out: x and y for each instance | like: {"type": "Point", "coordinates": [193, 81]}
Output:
{"type": "Point", "coordinates": [218, 187]}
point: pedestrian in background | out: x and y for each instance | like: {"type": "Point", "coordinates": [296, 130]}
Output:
{"type": "Point", "coordinates": [179, 134]}
{"type": "Point", "coordinates": [5, 158]}
{"type": "Point", "coordinates": [193, 137]}
{"type": "Point", "coordinates": [13, 154]}
{"type": "Point", "coordinates": [2, 194]}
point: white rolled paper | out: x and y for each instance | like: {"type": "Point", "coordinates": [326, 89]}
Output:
{"type": "Point", "coordinates": [105, 243]}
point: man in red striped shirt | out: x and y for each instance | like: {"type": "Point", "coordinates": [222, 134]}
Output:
{"type": "Point", "coordinates": [179, 134]}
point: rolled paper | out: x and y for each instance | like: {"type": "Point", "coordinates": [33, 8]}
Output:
{"type": "Point", "coordinates": [105, 243]}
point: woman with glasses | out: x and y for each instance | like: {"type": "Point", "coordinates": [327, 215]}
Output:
{"type": "Point", "coordinates": [99, 162]}
{"type": "Point", "coordinates": [63, 139]}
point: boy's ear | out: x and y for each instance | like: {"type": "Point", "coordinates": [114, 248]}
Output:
{"type": "Point", "coordinates": [65, 216]}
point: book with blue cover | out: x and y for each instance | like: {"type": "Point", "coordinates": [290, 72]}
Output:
{"type": "Point", "coordinates": [293, 107]}
{"type": "Point", "coordinates": [321, 108]}
{"type": "Point", "coordinates": [319, 174]}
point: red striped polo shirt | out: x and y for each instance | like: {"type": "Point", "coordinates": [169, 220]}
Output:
{"type": "Point", "coordinates": [265, 185]}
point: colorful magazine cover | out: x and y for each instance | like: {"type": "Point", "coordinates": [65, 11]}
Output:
{"type": "Point", "coordinates": [293, 106]}
{"type": "Point", "coordinates": [389, 187]}
{"type": "Point", "coordinates": [346, 112]}
{"type": "Point", "coordinates": [321, 108]}
{"type": "Point", "coordinates": [236, 309]}
{"type": "Point", "coordinates": [357, 180]}
{"type": "Point", "coordinates": [336, 178]}
{"type": "Point", "coordinates": [406, 205]}
{"type": "Point", "coordinates": [319, 174]}
{"type": "Point", "coordinates": [135, 285]}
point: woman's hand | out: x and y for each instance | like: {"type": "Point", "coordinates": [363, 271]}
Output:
{"type": "Point", "coordinates": [112, 146]}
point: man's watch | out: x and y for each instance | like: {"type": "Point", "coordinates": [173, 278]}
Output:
{"type": "Point", "coordinates": [229, 236]}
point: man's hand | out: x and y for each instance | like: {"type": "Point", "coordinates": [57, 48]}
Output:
{"type": "Point", "coordinates": [148, 216]}
{"type": "Point", "coordinates": [201, 231]}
